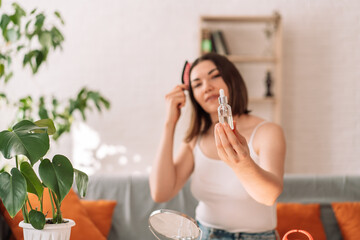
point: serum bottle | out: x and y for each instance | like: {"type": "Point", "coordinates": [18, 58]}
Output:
{"type": "Point", "coordinates": [224, 110]}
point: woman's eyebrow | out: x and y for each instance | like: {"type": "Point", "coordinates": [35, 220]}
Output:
{"type": "Point", "coordinates": [197, 79]}
{"type": "Point", "coordinates": [212, 70]}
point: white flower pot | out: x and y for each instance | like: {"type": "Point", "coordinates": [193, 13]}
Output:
{"type": "Point", "coordinates": [50, 232]}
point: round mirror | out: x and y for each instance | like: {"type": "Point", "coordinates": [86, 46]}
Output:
{"type": "Point", "coordinates": [169, 224]}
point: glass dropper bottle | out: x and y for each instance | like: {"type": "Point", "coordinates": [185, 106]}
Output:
{"type": "Point", "coordinates": [224, 110]}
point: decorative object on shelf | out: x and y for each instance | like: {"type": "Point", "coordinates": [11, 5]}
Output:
{"type": "Point", "coordinates": [269, 31]}
{"type": "Point", "coordinates": [206, 44]}
{"type": "Point", "coordinates": [268, 82]}
{"type": "Point", "coordinates": [27, 143]}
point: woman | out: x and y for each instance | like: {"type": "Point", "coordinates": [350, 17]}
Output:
{"type": "Point", "coordinates": [237, 174]}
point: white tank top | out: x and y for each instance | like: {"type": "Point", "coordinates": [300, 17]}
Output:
{"type": "Point", "coordinates": [223, 201]}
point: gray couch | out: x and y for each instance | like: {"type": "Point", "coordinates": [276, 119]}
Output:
{"type": "Point", "coordinates": [134, 203]}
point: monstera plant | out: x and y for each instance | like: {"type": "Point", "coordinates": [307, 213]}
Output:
{"type": "Point", "coordinates": [26, 144]}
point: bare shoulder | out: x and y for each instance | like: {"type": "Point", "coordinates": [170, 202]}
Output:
{"type": "Point", "coordinates": [270, 132]}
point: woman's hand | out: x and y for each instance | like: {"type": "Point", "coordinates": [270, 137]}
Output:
{"type": "Point", "coordinates": [175, 100]}
{"type": "Point", "coordinates": [263, 181]}
{"type": "Point", "coordinates": [231, 146]}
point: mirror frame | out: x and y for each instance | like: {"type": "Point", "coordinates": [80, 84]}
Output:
{"type": "Point", "coordinates": [153, 230]}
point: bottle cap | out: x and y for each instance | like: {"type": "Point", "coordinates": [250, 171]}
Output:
{"type": "Point", "coordinates": [222, 97]}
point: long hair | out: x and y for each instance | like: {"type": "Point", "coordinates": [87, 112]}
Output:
{"type": "Point", "coordinates": [238, 98]}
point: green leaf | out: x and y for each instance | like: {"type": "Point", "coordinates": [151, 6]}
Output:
{"type": "Point", "coordinates": [3, 96]}
{"type": "Point", "coordinates": [57, 37]}
{"type": "Point", "coordinates": [27, 33]}
{"type": "Point", "coordinates": [2, 69]}
{"type": "Point", "coordinates": [35, 58]}
{"type": "Point", "coordinates": [12, 35]}
{"type": "Point", "coordinates": [8, 76]}
{"type": "Point", "coordinates": [81, 180]}
{"type": "Point", "coordinates": [43, 112]}
{"type": "Point", "coordinates": [105, 102]}
{"type": "Point", "coordinates": [57, 14]}
{"type": "Point", "coordinates": [57, 175]}
{"type": "Point", "coordinates": [33, 182]}
{"type": "Point", "coordinates": [40, 58]}
{"type": "Point", "coordinates": [45, 39]}
{"type": "Point", "coordinates": [40, 18]}
{"type": "Point", "coordinates": [5, 19]}
{"type": "Point", "coordinates": [19, 13]}
{"type": "Point", "coordinates": [23, 140]}
{"type": "Point", "coordinates": [47, 123]}
{"type": "Point", "coordinates": [19, 47]}
{"type": "Point", "coordinates": [13, 191]}
{"type": "Point", "coordinates": [37, 219]}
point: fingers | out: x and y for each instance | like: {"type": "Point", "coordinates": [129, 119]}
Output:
{"type": "Point", "coordinates": [230, 144]}
{"type": "Point", "coordinates": [224, 146]}
{"type": "Point", "coordinates": [221, 152]}
{"type": "Point", "coordinates": [177, 96]}
{"type": "Point", "coordinates": [181, 87]}
{"type": "Point", "coordinates": [184, 87]}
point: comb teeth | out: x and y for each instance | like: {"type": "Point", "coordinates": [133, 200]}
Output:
{"type": "Point", "coordinates": [186, 74]}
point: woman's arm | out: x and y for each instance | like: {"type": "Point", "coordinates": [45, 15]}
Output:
{"type": "Point", "coordinates": [168, 176]}
{"type": "Point", "coordinates": [263, 182]}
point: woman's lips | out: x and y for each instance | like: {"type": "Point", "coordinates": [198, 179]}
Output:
{"type": "Point", "coordinates": [212, 98]}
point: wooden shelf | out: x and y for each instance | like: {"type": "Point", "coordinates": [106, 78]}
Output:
{"type": "Point", "coordinates": [254, 19]}
{"type": "Point", "coordinates": [251, 59]}
{"type": "Point", "coordinates": [271, 107]}
{"type": "Point", "coordinates": [262, 100]}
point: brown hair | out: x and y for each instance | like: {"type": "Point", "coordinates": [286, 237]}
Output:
{"type": "Point", "coordinates": [238, 98]}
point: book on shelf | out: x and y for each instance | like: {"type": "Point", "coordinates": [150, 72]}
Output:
{"type": "Point", "coordinates": [206, 43]}
{"type": "Point", "coordinates": [219, 42]}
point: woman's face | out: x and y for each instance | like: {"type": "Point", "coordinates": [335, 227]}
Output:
{"type": "Point", "coordinates": [206, 81]}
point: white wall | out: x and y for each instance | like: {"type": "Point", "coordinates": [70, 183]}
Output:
{"type": "Point", "coordinates": [133, 52]}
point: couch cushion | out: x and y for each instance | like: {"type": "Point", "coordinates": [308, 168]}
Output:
{"type": "Point", "coordinates": [348, 217]}
{"type": "Point", "coordinates": [100, 212]}
{"type": "Point", "coordinates": [300, 216]}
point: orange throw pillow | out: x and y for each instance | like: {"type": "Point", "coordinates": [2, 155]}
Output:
{"type": "Point", "coordinates": [71, 208]}
{"type": "Point", "coordinates": [300, 216]}
{"type": "Point", "coordinates": [348, 217]}
{"type": "Point", "coordinates": [100, 212]}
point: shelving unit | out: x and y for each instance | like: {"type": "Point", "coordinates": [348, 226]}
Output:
{"type": "Point", "coordinates": [248, 28]}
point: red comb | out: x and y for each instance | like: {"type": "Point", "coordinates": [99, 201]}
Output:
{"type": "Point", "coordinates": [185, 74]}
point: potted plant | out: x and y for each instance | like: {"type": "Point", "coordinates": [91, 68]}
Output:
{"type": "Point", "coordinates": [27, 143]}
